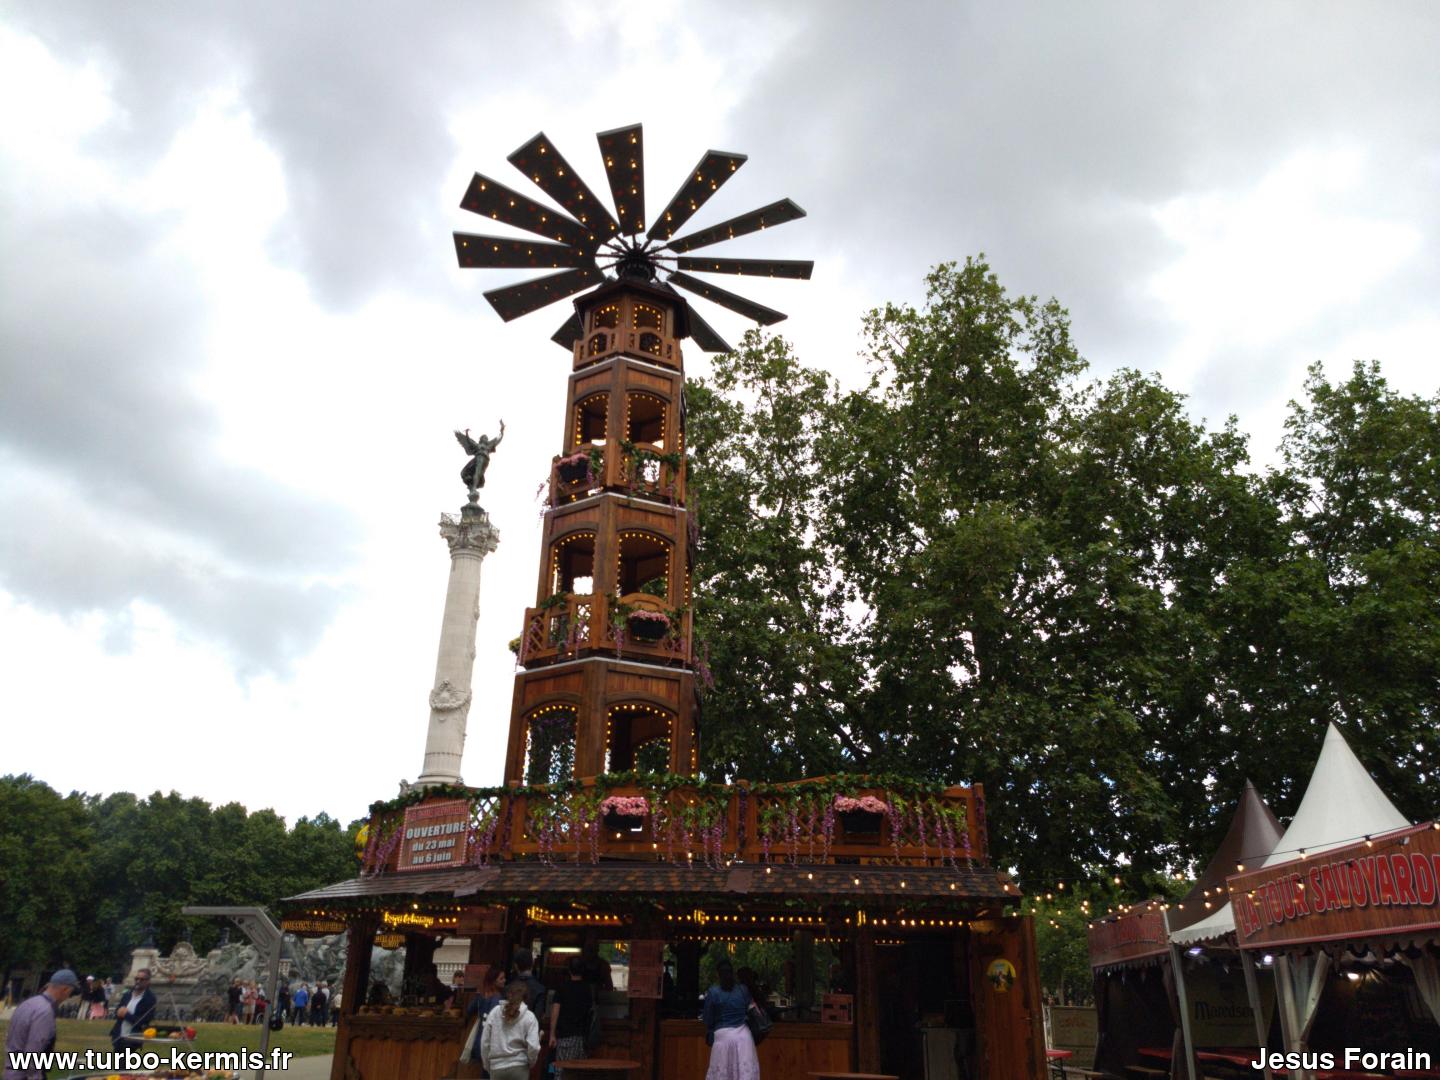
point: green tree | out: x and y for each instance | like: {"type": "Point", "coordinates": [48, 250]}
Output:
{"type": "Point", "coordinates": [977, 567]}
{"type": "Point", "coordinates": [45, 845]}
{"type": "Point", "coordinates": [770, 611]}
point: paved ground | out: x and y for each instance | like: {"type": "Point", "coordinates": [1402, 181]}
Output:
{"type": "Point", "coordinates": [306, 1068]}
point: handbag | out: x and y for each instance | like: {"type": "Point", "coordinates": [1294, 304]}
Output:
{"type": "Point", "coordinates": [759, 1023]}
{"type": "Point", "coordinates": [593, 1033]}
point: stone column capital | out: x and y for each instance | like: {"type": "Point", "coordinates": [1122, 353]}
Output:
{"type": "Point", "coordinates": [469, 533]}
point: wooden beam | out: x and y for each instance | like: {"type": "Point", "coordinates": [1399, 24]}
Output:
{"type": "Point", "coordinates": [867, 1002]}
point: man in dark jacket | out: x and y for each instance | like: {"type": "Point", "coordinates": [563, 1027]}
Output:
{"type": "Point", "coordinates": [534, 989]}
{"type": "Point", "coordinates": [136, 1011]}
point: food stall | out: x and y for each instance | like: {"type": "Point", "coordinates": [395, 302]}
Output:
{"type": "Point", "coordinates": [1348, 906]}
{"type": "Point", "coordinates": [1161, 995]}
{"type": "Point", "coordinates": [926, 934]}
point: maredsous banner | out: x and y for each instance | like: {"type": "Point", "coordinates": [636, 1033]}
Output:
{"type": "Point", "coordinates": [1129, 937]}
{"type": "Point", "coordinates": [1387, 885]}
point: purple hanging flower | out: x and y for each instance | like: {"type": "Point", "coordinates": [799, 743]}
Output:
{"type": "Point", "coordinates": [893, 813]}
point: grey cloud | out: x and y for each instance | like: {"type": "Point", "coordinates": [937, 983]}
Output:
{"type": "Point", "coordinates": [100, 441]}
{"type": "Point", "coordinates": [66, 555]}
{"type": "Point", "coordinates": [1044, 133]}
{"type": "Point", "coordinates": [353, 98]}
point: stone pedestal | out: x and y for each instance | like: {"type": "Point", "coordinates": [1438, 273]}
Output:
{"type": "Point", "coordinates": [142, 957]}
{"type": "Point", "coordinates": [471, 537]}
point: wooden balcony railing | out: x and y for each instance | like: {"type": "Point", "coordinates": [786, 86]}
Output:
{"type": "Point", "coordinates": [582, 624]}
{"type": "Point", "coordinates": [706, 824]}
{"type": "Point", "coordinates": [634, 472]}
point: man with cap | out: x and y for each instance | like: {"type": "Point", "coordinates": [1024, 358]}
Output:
{"type": "Point", "coordinates": [32, 1027]}
{"type": "Point", "coordinates": [137, 1009]}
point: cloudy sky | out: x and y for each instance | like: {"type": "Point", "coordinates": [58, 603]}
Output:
{"type": "Point", "coordinates": [234, 341]}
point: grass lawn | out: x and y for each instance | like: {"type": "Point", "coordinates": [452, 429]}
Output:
{"type": "Point", "coordinates": [300, 1041]}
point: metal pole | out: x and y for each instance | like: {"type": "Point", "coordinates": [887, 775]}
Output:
{"type": "Point", "coordinates": [266, 937]}
{"type": "Point", "coordinates": [1177, 963]}
{"type": "Point", "coordinates": [1252, 991]}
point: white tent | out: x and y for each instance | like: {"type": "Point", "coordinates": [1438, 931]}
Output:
{"type": "Point", "coordinates": [1341, 804]}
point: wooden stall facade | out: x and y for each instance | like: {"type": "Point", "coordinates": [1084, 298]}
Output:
{"type": "Point", "coordinates": [929, 918]}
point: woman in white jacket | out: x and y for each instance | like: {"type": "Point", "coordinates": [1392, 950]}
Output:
{"type": "Point", "coordinates": [510, 1041]}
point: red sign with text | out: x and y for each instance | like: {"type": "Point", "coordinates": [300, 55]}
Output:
{"type": "Point", "coordinates": [434, 835]}
{"type": "Point", "coordinates": [1388, 885]}
{"type": "Point", "coordinates": [1128, 937]}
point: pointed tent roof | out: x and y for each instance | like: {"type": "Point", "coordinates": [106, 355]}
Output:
{"type": "Point", "coordinates": [1254, 832]}
{"type": "Point", "coordinates": [1341, 804]}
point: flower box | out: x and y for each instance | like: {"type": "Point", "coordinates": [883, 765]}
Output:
{"type": "Point", "coordinates": [573, 471]}
{"type": "Point", "coordinates": [624, 813]}
{"type": "Point", "coordinates": [623, 822]}
{"type": "Point", "coordinates": [647, 626]}
{"type": "Point", "coordinates": [862, 816]}
{"type": "Point", "coordinates": [860, 822]}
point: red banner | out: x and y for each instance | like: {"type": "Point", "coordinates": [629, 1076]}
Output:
{"type": "Point", "coordinates": [1129, 937]}
{"type": "Point", "coordinates": [1388, 885]}
{"type": "Point", "coordinates": [434, 835]}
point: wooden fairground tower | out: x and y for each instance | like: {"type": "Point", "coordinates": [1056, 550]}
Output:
{"type": "Point", "coordinates": [607, 684]}
{"type": "Point", "coordinates": [603, 833]}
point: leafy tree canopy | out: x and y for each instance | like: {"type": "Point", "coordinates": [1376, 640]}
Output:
{"type": "Point", "coordinates": [984, 566]}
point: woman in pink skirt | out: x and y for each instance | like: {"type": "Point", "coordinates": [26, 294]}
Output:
{"type": "Point", "coordinates": [732, 1049]}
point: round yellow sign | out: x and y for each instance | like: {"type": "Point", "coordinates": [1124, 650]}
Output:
{"type": "Point", "coordinates": [1001, 974]}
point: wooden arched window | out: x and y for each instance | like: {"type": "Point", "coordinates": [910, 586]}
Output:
{"type": "Point", "coordinates": [638, 737]}
{"type": "Point", "coordinates": [605, 317]}
{"type": "Point", "coordinates": [550, 744]}
{"type": "Point", "coordinates": [648, 317]}
{"type": "Point", "coordinates": [645, 419]}
{"type": "Point", "coordinates": [572, 564]}
{"type": "Point", "coordinates": [644, 565]}
{"type": "Point", "coordinates": [591, 419]}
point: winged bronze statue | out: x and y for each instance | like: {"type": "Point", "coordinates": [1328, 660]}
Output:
{"type": "Point", "coordinates": [473, 474]}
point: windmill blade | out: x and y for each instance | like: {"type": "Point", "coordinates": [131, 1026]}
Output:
{"type": "Point", "coordinates": [515, 300]}
{"type": "Point", "coordinates": [777, 213]}
{"type": "Point", "coordinates": [541, 162]}
{"type": "Point", "coordinates": [704, 180]}
{"type": "Point", "coordinates": [751, 310]}
{"type": "Point", "coordinates": [704, 335]}
{"type": "Point", "coordinates": [569, 333]}
{"type": "Point", "coordinates": [508, 252]}
{"type": "Point", "coordinates": [775, 268]}
{"type": "Point", "coordinates": [492, 199]}
{"type": "Point", "coordinates": [624, 152]}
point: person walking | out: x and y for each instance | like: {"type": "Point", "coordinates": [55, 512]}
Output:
{"type": "Point", "coordinates": [233, 996]}
{"type": "Point", "coordinates": [95, 994]}
{"type": "Point", "coordinates": [732, 1047]}
{"type": "Point", "coordinates": [492, 993]}
{"type": "Point", "coordinates": [571, 1014]}
{"type": "Point", "coordinates": [282, 1002]}
{"type": "Point", "coordinates": [247, 1003]}
{"type": "Point", "coordinates": [319, 1002]}
{"type": "Point", "coordinates": [336, 1000]}
{"type": "Point", "coordinates": [510, 1039]}
{"type": "Point", "coordinates": [137, 1009]}
{"type": "Point", "coordinates": [301, 1000]}
{"type": "Point", "coordinates": [32, 1024]}
{"type": "Point", "coordinates": [535, 991]}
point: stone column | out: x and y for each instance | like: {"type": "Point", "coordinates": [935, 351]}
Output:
{"type": "Point", "coordinates": [471, 537]}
